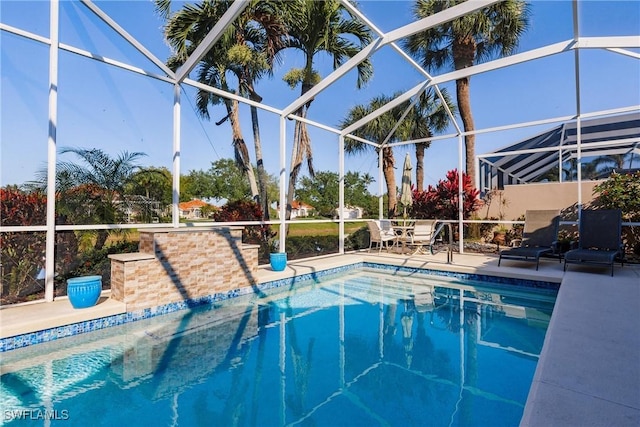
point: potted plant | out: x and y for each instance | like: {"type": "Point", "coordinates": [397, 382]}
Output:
{"type": "Point", "coordinates": [501, 235]}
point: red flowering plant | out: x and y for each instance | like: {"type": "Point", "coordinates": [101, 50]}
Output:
{"type": "Point", "coordinates": [245, 210]}
{"type": "Point", "coordinates": [21, 253]}
{"type": "Point", "coordinates": [441, 201]}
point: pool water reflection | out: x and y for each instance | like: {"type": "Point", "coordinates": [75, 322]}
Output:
{"type": "Point", "coordinates": [362, 348]}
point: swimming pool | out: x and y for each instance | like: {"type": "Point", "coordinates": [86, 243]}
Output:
{"type": "Point", "coordinates": [364, 347]}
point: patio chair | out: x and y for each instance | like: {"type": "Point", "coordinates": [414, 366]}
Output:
{"type": "Point", "coordinates": [380, 236]}
{"type": "Point", "coordinates": [421, 234]}
{"type": "Point", "coordinates": [539, 237]}
{"type": "Point", "coordinates": [600, 240]}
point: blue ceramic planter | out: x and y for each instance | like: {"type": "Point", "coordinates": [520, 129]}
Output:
{"type": "Point", "coordinates": [278, 261]}
{"type": "Point", "coordinates": [84, 292]}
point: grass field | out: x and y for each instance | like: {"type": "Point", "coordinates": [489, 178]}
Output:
{"type": "Point", "coordinates": [321, 229]}
{"type": "Point", "coordinates": [306, 229]}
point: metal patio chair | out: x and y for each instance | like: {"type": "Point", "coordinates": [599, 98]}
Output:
{"type": "Point", "coordinates": [380, 236]}
{"type": "Point", "coordinates": [421, 234]}
{"type": "Point", "coordinates": [539, 237]}
{"type": "Point", "coordinates": [600, 239]}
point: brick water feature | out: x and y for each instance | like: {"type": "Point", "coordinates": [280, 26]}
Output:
{"type": "Point", "coordinates": [178, 264]}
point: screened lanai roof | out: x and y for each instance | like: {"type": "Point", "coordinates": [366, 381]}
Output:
{"type": "Point", "coordinates": [518, 163]}
{"type": "Point", "coordinates": [63, 37]}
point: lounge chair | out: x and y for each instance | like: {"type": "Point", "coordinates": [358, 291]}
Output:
{"type": "Point", "coordinates": [600, 239]}
{"type": "Point", "coordinates": [539, 237]}
{"type": "Point", "coordinates": [380, 236]}
{"type": "Point", "coordinates": [421, 234]}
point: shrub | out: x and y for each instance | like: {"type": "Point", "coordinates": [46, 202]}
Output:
{"type": "Point", "coordinates": [622, 191]}
{"type": "Point", "coordinates": [244, 210]}
{"type": "Point", "coordinates": [97, 262]}
{"type": "Point", "coordinates": [22, 253]}
{"type": "Point", "coordinates": [441, 201]}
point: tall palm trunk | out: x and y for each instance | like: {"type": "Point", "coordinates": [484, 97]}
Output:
{"type": "Point", "coordinates": [240, 147]}
{"type": "Point", "coordinates": [388, 170]}
{"type": "Point", "coordinates": [420, 166]}
{"type": "Point", "coordinates": [464, 107]}
{"type": "Point", "coordinates": [262, 174]}
{"type": "Point", "coordinates": [301, 149]}
{"type": "Point", "coordinates": [101, 239]}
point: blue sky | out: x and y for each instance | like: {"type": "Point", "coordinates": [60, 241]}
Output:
{"type": "Point", "coordinates": [114, 109]}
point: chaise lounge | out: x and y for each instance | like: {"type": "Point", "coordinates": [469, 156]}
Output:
{"type": "Point", "coordinates": [539, 237]}
{"type": "Point", "coordinates": [600, 239]}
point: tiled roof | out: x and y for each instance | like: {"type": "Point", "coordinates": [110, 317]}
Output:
{"type": "Point", "coordinates": [192, 204]}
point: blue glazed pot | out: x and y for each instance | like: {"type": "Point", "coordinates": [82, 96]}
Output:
{"type": "Point", "coordinates": [278, 261]}
{"type": "Point", "coordinates": [84, 292]}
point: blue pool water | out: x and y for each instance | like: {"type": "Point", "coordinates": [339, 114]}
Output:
{"type": "Point", "coordinates": [363, 348]}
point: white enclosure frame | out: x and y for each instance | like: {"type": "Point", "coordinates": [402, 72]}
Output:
{"type": "Point", "coordinates": [619, 45]}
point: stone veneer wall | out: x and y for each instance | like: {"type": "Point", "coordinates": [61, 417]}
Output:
{"type": "Point", "coordinates": [181, 264]}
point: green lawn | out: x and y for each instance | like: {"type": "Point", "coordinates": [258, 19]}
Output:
{"type": "Point", "coordinates": [321, 229]}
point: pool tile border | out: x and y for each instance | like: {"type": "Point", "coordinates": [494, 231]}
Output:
{"type": "Point", "coordinates": [52, 334]}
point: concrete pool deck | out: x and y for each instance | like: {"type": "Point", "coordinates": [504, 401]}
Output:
{"type": "Point", "coordinates": [589, 370]}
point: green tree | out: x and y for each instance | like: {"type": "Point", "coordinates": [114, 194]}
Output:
{"type": "Point", "coordinates": [246, 51]}
{"type": "Point", "coordinates": [609, 163]}
{"type": "Point", "coordinates": [227, 181]}
{"type": "Point", "coordinates": [91, 192]}
{"type": "Point", "coordinates": [154, 183]}
{"type": "Point", "coordinates": [429, 116]}
{"type": "Point", "coordinates": [378, 130]}
{"type": "Point", "coordinates": [356, 192]}
{"type": "Point", "coordinates": [622, 191]}
{"type": "Point", "coordinates": [198, 184]}
{"type": "Point", "coordinates": [322, 191]}
{"type": "Point", "coordinates": [468, 40]}
{"type": "Point", "coordinates": [222, 181]}
{"type": "Point", "coordinates": [322, 27]}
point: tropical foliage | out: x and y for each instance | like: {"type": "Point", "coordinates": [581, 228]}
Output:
{"type": "Point", "coordinates": [463, 42]}
{"type": "Point", "coordinates": [244, 54]}
{"type": "Point", "coordinates": [622, 191]}
{"type": "Point", "coordinates": [245, 210]}
{"type": "Point", "coordinates": [429, 116]}
{"type": "Point", "coordinates": [322, 192]}
{"type": "Point", "coordinates": [91, 191]}
{"type": "Point", "coordinates": [22, 253]}
{"type": "Point", "coordinates": [382, 129]}
{"type": "Point", "coordinates": [321, 28]}
{"type": "Point", "coordinates": [441, 201]}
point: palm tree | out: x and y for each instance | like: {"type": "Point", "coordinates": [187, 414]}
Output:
{"type": "Point", "coordinates": [90, 192]}
{"type": "Point", "coordinates": [320, 27]}
{"type": "Point", "coordinates": [377, 131]}
{"type": "Point", "coordinates": [465, 41]}
{"type": "Point", "coordinates": [609, 163]}
{"type": "Point", "coordinates": [429, 116]}
{"type": "Point", "coordinates": [246, 51]}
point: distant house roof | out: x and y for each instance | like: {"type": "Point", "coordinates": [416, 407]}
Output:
{"type": "Point", "coordinates": [516, 163]}
{"type": "Point", "coordinates": [300, 205]}
{"type": "Point", "coordinates": [192, 204]}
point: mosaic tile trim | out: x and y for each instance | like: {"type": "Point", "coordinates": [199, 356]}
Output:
{"type": "Point", "coordinates": [33, 338]}
{"type": "Point", "coordinates": [494, 280]}
{"type": "Point", "coordinates": [39, 337]}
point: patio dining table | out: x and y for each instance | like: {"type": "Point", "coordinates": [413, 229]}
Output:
{"type": "Point", "coordinates": [402, 229]}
